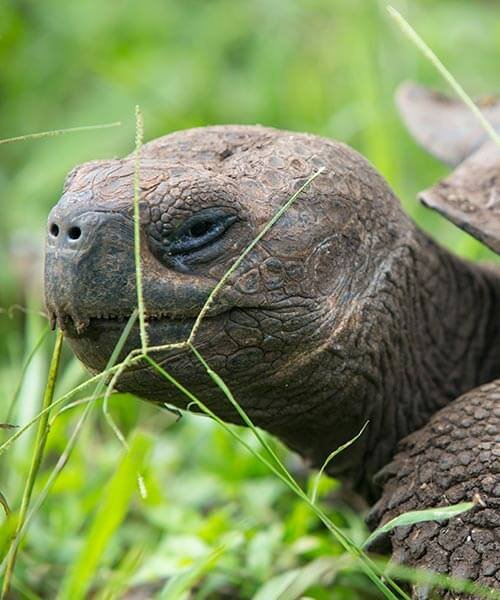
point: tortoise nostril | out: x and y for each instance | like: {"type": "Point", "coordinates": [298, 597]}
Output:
{"type": "Point", "coordinates": [74, 233]}
{"type": "Point", "coordinates": [54, 229]}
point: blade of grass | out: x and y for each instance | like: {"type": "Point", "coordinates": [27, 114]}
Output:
{"type": "Point", "coordinates": [105, 405]}
{"type": "Point", "coordinates": [139, 136]}
{"type": "Point", "coordinates": [412, 517]}
{"type": "Point", "coordinates": [72, 405]}
{"type": "Point", "coordinates": [40, 441]}
{"type": "Point", "coordinates": [110, 514]}
{"type": "Point", "coordinates": [81, 402]}
{"type": "Point", "coordinates": [55, 132]}
{"type": "Point", "coordinates": [330, 457]}
{"type": "Point", "coordinates": [72, 376]}
{"type": "Point", "coordinates": [408, 30]}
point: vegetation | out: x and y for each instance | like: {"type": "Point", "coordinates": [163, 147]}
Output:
{"type": "Point", "coordinates": [211, 517]}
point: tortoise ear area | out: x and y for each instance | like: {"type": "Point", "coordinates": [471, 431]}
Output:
{"type": "Point", "coordinates": [443, 126]}
{"type": "Point", "coordinates": [470, 196]}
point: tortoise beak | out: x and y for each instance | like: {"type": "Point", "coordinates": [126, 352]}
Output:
{"type": "Point", "coordinates": [79, 262]}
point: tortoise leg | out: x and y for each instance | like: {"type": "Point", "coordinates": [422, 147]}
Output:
{"type": "Point", "coordinates": [454, 458]}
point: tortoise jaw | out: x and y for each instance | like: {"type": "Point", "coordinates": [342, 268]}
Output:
{"type": "Point", "coordinates": [77, 326]}
{"type": "Point", "coordinates": [95, 343]}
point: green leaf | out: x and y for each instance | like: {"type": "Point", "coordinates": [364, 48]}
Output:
{"type": "Point", "coordinates": [109, 516]}
{"type": "Point", "coordinates": [412, 517]}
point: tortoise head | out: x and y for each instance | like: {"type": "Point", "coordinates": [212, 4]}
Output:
{"type": "Point", "coordinates": [205, 194]}
{"type": "Point", "coordinates": [447, 128]}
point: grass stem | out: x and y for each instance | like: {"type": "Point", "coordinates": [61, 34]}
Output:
{"type": "Point", "coordinates": [408, 30]}
{"type": "Point", "coordinates": [56, 132]}
{"type": "Point", "coordinates": [139, 136]}
{"type": "Point", "coordinates": [41, 439]}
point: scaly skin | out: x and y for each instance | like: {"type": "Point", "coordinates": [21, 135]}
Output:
{"type": "Point", "coordinates": [344, 312]}
{"type": "Point", "coordinates": [454, 458]}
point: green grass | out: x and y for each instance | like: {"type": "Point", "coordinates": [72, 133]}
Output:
{"type": "Point", "coordinates": [219, 526]}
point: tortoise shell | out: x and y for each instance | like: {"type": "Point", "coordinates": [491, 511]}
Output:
{"type": "Point", "coordinates": [470, 195]}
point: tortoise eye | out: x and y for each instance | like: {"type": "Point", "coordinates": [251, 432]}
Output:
{"type": "Point", "coordinates": [199, 231]}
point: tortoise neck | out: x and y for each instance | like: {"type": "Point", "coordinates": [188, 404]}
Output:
{"type": "Point", "coordinates": [442, 340]}
{"type": "Point", "coordinates": [457, 335]}
{"type": "Point", "coordinates": [431, 331]}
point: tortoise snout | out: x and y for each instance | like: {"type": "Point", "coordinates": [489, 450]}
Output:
{"type": "Point", "coordinates": [71, 231]}
{"type": "Point", "coordinates": [89, 264]}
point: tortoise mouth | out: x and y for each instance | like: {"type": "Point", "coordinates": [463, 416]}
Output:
{"type": "Point", "coordinates": [95, 343]}
{"type": "Point", "coordinates": [77, 326]}
{"type": "Point", "coordinates": [161, 329]}
{"type": "Point", "coordinates": [118, 322]}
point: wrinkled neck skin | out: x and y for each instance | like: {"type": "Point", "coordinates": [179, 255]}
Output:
{"type": "Point", "coordinates": [431, 332]}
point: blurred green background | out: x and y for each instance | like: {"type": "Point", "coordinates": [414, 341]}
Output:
{"type": "Point", "coordinates": [325, 66]}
